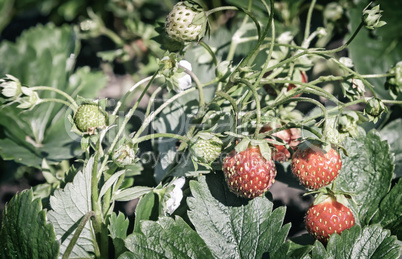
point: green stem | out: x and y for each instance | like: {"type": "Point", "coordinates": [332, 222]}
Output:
{"type": "Point", "coordinates": [122, 100]}
{"type": "Point", "coordinates": [237, 36]}
{"type": "Point", "coordinates": [356, 75]}
{"type": "Point", "coordinates": [77, 234]}
{"type": "Point", "coordinates": [152, 100]}
{"type": "Point", "coordinates": [392, 101]}
{"type": "Point", "coordinates": [161, 135]}
{"type": "Point", "coordinates": [264, 34]}
{"type": "Point", "coordinates": [317, 103]}
{"type": "Point", "coordinates": [150, 118]}
{"type": "Point", "coordinates": [308, 88]}
{"type": "Point", "coordinates": [113, 36]}
{"type": "Point", "coordinates": [271, 50]}
{"type": "Point", "coordinates": [210, 51]}
{"type": "Point", "coordinates": [344, 45]}
{"type": "Point", "coordinates": [96, 207]}
{"type": "Point", "coordinates": [308, 20]}
{"type": "Point", "coordinates": [198, 84]}
{"type": "Point", "coordinates": [221, 8]}
{"type": "Point", "coordinates": [49, 100]}
{"type": "Point", "coordinates": [47, 88]}
{"type": "Point", "coordinates": [126, 120]}
{"type": "Point", "coordinates": [258, 106]}
{"type": "Point", "coordinates": [317, 52]}
{"type": "Point", "coordinates": [336, 109]}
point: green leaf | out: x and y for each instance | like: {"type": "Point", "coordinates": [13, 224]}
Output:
{"type": "Point", "coordinates": [166, 238]}
{"type": "Point", "coordinates": [292, 250]}
{"type": "Point", "coordinates": [118, 226]}
{"type": "Point", "coordinates": [146, 209]}
{"type": "Point", "coordinates": [69, 205]}
{"type": "Point", "coordinates": [366, 173]}
{"type": "Point", "coordinates": [369, 242]}
{"type": "Point", "coordinates": [389, 214]}
{"type": "Point", "coordinates": [132, 193]}
{"type": "Point", "coordinates": [234, 227]}
{"type": "Point", "coordinates": [24, 232]}
{"type": "Point", "coordinates": [44, 132]}
{"type": "Point", "coordinates": [392, 133]}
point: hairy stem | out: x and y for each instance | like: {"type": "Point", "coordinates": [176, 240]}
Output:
{"type": "Point", "coordinates": [77, 234]}
{"type": "Point", "coordinates": [47, 88]}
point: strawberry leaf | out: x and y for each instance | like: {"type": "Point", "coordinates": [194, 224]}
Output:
{"type": "Point", "coordinates": [233, 227]}
{"type": "Point", "coordinates": [369, 242]}
{"type": "Point", "coordinates": [43, 132]}
{"type": "Point", "coordinates": [69, 206]}
{"type": "Point", "coordinates": [166, 238]}
{"type": "Point", "coordinates": [389, 215]}
{"type": "Point", "coordinates": [24, 232]}
{"type": "Point", "coordinates": [118, 226]}
{"type": "Point", "coordinates": [392, 133]}
{"type": "Point", "coordinates": [292, 250]}
{"type": "Point", "coordinates": [366, 173]}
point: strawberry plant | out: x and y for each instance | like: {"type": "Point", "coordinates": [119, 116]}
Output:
{"type": "Point", "coordinates": [201, 129]}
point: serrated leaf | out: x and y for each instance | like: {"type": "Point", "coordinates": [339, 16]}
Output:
{"type": "Point", "coordinates": [370, 242]}
{"type": "Point", "coordinates": [118, 226]}
{"type": "Point", "coordinates": [24, 231]}
{"type": "Point", "coordinates": [234, 227]}
{"type": "Point", "coordinates": [69, 206]}
{"type": "Point", "coordinates": [366, 173]}
{"type": "Point", "coordinates": [389, 213]}
{"type": "Point", "coordinates": [392, 133]}
{"type": "Point", "coordinates": [166, 238]}
{"type": "Point", "coordinates": [44, 132]}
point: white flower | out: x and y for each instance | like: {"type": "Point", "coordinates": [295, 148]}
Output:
{"type": "Point", "coordinates": [11, 87]}
{"type": "Point", "coordinates": [184, 78]}
{"type": "Point", "coordinates": [285, 37]}
{"type": "Point", "coordinates": [348, 62]}
{"type": "Point", "coordinates": [175, 196]}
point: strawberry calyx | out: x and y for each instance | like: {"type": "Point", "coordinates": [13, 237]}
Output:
{"type": "Point", "coordinates": [315, 143]}
{"type": "Point", "coordinates": [262, 144]}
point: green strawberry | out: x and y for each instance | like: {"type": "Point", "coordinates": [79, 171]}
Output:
{"type": "Point", "coordinates": [186, 22]}
{"type": "Point", "coordinates": [89, 117]}
{"type": "Point", "coordinates": [206, 148]}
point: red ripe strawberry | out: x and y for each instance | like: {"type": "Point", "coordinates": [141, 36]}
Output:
{"type": "Point", "coordinates": [248, 174]}
{"type": "Point", "coordinates": [314, 167]}
{"type": "Point", "coordinates": [290, 136]}
{"type": "Point", "coordinates": [328, 217]}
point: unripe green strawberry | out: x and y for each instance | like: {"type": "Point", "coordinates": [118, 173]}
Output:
{"type": "Point", "coordinates": [88, 117]}
{"type": "Point", "coordinates": [248, 174]}
{"type": "Point", "coordinates": [180, 24]}
{"type": "Point", "coordinates": [315, 167]}
{"type": "Point", "coordinates": [206, 148]}
{"type": "Point", "coordinates": [328, 217]}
